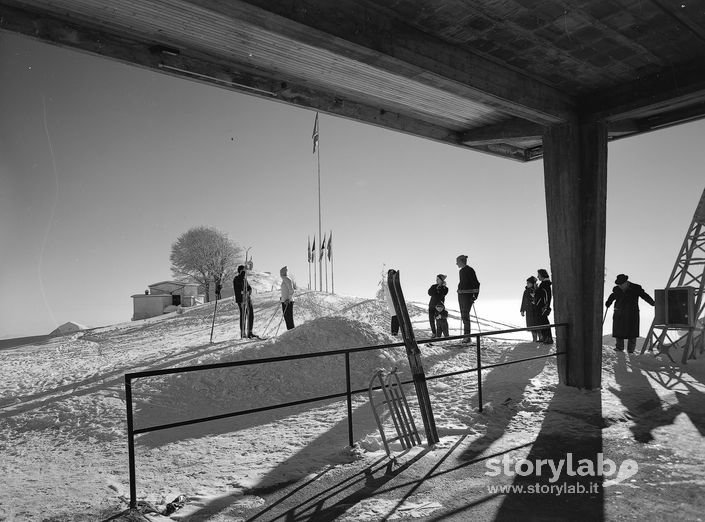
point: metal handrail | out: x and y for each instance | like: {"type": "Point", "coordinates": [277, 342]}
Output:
{"type": "Point", "coordinates": [129, 377]}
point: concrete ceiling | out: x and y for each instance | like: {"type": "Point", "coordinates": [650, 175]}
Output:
{"type": "Point", "coordinates": [487, 75]}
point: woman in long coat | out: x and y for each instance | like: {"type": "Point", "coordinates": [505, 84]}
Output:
{"type": "Point", "coordinates": [625, 319]}
{"type": "Point", "coordinates": [528, 307]}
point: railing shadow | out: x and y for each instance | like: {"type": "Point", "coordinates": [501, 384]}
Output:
{"type": "Point", "coordinates": [502, 386]}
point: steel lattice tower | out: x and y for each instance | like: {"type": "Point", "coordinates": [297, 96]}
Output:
{"type": "Point", "coordinates": [689, 270]}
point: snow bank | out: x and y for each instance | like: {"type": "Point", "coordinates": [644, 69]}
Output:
{"type": "Point", "coordinates": [68, 328]}
{"type": "Point", "coordinates": [200, 394]}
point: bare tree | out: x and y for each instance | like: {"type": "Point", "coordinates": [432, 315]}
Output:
{"type": "Point", "coordinates": [205, 255]}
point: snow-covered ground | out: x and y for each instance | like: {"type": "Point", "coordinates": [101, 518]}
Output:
{"type": "Point", "coordinates": [63, 420]}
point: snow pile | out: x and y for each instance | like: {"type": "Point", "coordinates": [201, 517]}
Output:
{"type": "Point", "coordinates": [63, 434]}
{"type": "Point", "coordinates": [68, 328]}
{"type": "Point", "coordinates": [173, 398]}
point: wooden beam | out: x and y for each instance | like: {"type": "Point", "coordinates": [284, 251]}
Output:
{"type": "Point", "coordinates": [500, 133]}
{"type": "Point", "coordinates": [575, 175]}
{"type": "Point", "coordinates": [356, 30]}
{"type": "Point", "coordinates": [192, 65]}
{"type": "Point", "coordinates": [505, 150]}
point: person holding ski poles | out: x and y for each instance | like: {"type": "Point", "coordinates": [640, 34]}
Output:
{"type": "Point", "coordinates": [244, 302]}
{"type": "Point", "coordinates": [438, 292]}
{"type": "Point", "coordinates": [468, 290]}
{"type": "Point", "coordinates": [287, 298]}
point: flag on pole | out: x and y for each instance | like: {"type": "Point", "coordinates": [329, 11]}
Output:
{"type": "Point", "coordinates": [323, 248]}
{"type": "Point", "coordinates": [313, 249]}
{"type": "Point", "coordinates": [330, 245]}
{"type": "Point", "coordinates": [314, 136]}
{"type": "Point", "coordinates": [308, 250]}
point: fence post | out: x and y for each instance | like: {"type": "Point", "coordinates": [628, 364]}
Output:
{"type": "Point", "coordinates": [349, 398]}
{"type": "Point", "coordinates": [479, 373]}
{"type": "Point", "coordinates": [130, 442]}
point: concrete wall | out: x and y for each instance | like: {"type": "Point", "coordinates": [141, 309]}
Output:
{"type": "Point", "coordinates": [152, 305]}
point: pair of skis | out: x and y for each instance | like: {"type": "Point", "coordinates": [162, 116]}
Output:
{"type": "Point", "coordinates": [414, 355]}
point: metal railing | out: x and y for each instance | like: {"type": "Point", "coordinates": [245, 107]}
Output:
{"type": "Point", "coordinates": [348, 394]}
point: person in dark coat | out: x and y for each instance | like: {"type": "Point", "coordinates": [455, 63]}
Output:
{"type": "Point", "coordinates": [438, 294]}
{"type": "Point", "coordinates": [468, 291]}
{"type": "Point", "coordinates": [441, 317]}
{"type": "Point", "coordinates": [542, 300]}
{"type": "Point", "coordinates": [528, 307]}
{"type": "Point", "coordinates": [625, 319]}
{"type": "Point", "coordinates": [244, 302]}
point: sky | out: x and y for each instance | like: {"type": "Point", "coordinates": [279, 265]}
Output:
{"type": "Point", "coordinates": [104, 165]}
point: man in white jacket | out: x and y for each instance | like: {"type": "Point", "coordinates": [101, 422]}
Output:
{"type": "Point", "coordinates": [287, 298]}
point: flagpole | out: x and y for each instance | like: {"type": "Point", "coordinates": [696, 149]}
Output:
{"type": "Point", "coordinates": [325, 261]}
{"type": "Point", "coordinates": [330, 257]}
{"type": "Point", "coordinates": [318, 155]}
{"type": "Point", "coordinates": [313, 260]}
{"type": "Point", "coordinates": [308, 258]}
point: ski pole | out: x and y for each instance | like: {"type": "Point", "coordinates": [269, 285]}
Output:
{"type": "Point", "coordinates": [215, 309]}
{"type": "Point", "coordinates": [270, 319]}
{"type": "Point", "coordinates": [605, 316]}
{"type": "Point", "coordinates": [280, 320]}
{"type": "Point", "coordinates": [479, 330]}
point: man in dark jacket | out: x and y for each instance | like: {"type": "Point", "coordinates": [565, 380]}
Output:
{"type": "Point", "coordinates": [438, 294]}
{"type": "Point", "coordinates": [468, 290]}
{"type": "Point", "coordinates": [542, 298]}
{"type": "Point", "coordinates": [625, 319]}
{"type": "Point", "coordinates": [244, 302]}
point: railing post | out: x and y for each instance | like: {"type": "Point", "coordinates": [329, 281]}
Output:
{"type": "Point", "coordinates": [349, 397]}
{"type": "Point", "coordinates": [479, 373]}
{"type": "Point", "coordinates": [130, 442]}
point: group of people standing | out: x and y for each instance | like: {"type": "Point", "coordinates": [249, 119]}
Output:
{"type": "Point", "coordinates": [243, 298]}
{"type": "Point", "coordinates": [536, 305]}
{"type": "Point", "coordinates": [468, 291]}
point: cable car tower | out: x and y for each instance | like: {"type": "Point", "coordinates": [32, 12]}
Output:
{"type": "Point", "coordinates": [681, 305]}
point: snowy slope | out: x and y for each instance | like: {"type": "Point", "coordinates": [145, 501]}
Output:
{"type": "Point", "coordinates": [62, 431]}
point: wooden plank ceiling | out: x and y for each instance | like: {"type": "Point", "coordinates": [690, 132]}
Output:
{"type": "Point", "coordinates": [487, 75]}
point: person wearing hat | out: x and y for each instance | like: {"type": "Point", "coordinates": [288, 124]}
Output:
{"type": "Point", "coordinates": [528, 307]}
{"type": "Point", "coordinates": [468, 290]}
{"type": "Point", "coordinates": [625, 318]}
{"type": "Point", "coordinates": [287, 298]}
{"type": "Point", "coordinates": [244, 302]}
{"type": "Point", "coordinates": [542, 299]}
{"type": "Point", "coordinates": [438, 292]}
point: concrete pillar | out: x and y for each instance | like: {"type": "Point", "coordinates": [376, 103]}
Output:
{"type": "Point", "coordinates": [575, 176]}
